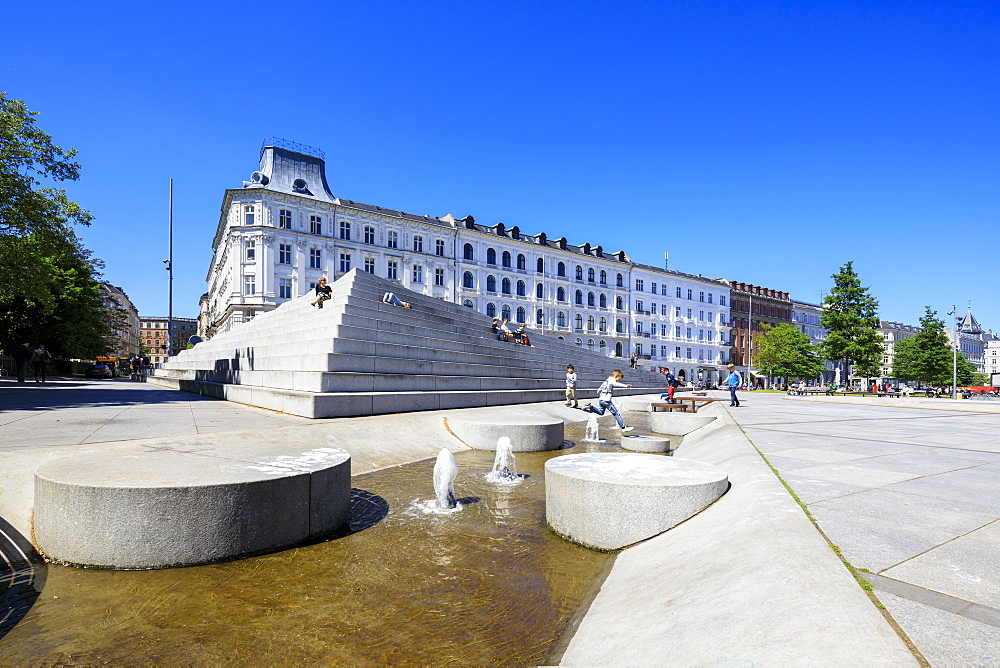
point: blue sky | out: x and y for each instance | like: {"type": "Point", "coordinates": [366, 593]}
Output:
{"type": "Point", "coordinates": [766, 142]}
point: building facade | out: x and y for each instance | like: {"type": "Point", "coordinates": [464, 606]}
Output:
{"type": "Point", "coordinates": [153, 332]}
{"type": "Point", "coordinates": [806, 317]}
{"type": "Point", "coordinates": [991, 354]}
{"type": "Point", "coordinates": [971, 340]}
{"type": "Point", "coordinates": [124, 320]}
{"type": "Point", "coordinates": [753, 308]}
{"type": "Point", "coordinates": [284, 229]}
{"type": "Point", "coordinates": [892, 333]}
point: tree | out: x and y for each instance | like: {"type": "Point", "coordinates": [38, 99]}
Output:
{"type": "Point", "coordinates": [927, 357]}
{"type": "Point", "coordinates": [785, 351]}
{"type": "Point", "coordinates": [851, 316]}
{"type": "Point", "coordinates": [48, 281]}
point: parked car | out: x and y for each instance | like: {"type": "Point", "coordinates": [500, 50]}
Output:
{"type": "Point", "coordinates": [99, 371]}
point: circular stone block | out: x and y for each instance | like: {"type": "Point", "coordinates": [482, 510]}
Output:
{"type": "Point", "coordinates": [640, 405]}
{"type": "Point", "coordinates": [526, 434]}
{"type": "Point", "coordinates": [609, 500]}
{"type": "Point", "coordinates": [677, 424]}
{"type": "Point", "coordinates": [149, 508]}
{"type": "Point", "coordinates": [645, 443]}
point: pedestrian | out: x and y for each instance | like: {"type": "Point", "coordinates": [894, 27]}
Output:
{"type": "Point", "coordinates": [40, 358]}
{"type": "Point", "coordinates": [571, 387]}
{"type": "Point", "coordinates": [671, 386]}
{"type": "Point", "coordinates": [632, 360]}
{"type": "Point", "coordinates": [604, 401]}
{"type": "Point", "coordinates": [22, 355]}
{"type": "Point", "coordinates": [733, 380]}
{"type": "Point", "coordinates": [802, 388]}
{"type": "Point", "coordinates": [831, 389]}
{"type": "Point", "coordinates": [323, 292]}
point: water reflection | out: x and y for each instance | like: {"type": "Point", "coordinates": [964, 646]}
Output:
{"type": "Point", "coordinates": [22, 576]}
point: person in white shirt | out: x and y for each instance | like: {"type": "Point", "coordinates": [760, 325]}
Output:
{"type": "Point", "coordinates": [604, 401]}
{"type": "Point", "coordinates": [571, 387]}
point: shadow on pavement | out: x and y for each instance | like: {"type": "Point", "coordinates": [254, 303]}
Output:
{"type": "Point", "coordinates": [79, 392]}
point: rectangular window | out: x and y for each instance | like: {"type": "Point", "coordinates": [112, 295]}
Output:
{"type": "Point", "coordinates": [345, 262]}
{"type": "Point", "coordinates": [392, 269]}
{"type": "Point", "coordinates": [690, 292]}
{"type": "Point", "coordinates": [284, 253]}
{"type": "Point", "coordinates": [285, 288]}
{"type": "Point", "coordinates": [677, 311]}
{"type": "Point", "coordinates": [701, 296]}
{"type": "Point", "coordinates": [689, 353]}
{"type": "Point", "coordinates": [345, 230]}
{"type": "Point", "coordinates": [370, 265]}
{"type": "Point", "coordinates": [315, 225]}
{"type": "Point", "coordinates": [701, 335]}
{"type": "Point", "coordinates": [251, 249]}
{"type": "Point", "coordinates": [638, 306]}
{"type": "Point", "coordinates": [285, 219]}
{"type": "Point", "coordinates": [663, 331]}
{"type": "Point", "coordinates": [663, 309]}
{"type": "Point", "coordinates": [677, 350]}
{"type": "Point", "coordinates": [711, 335]}
{"type": "Point", "coordinates": [249, 284]}
{"type": "Point", "coordinates": [689, 332]}
{"type": "Point", "coordinates": [439, 248]}
{"type": "Point", "coordinates": [652, 288]}
{"type": "Point", "coordinates": [315, 258]}
{"type": "Point", "coordinates": [439, 277]}
{"type": "Point", "coordinates": [392, 239]}
{"type": "Point", "coordinates": [638, 284]}
{"type": "Point", "coordinates": [678, 296]}
{"type": "Point", "coordinates": [722, 300]}
{"type": "Point", "coordinates": [677, 332]}
{"type": "Point", "coordinates": [663, 291]}
{"type": "Point", "coordinates": [369, 234]}
{"type": "Point", "coordinates": [709, 297]}
{"type": "Point", "coordinates": [248, 215]}
{"type": "Point", "coordinates": [418, 244]}
{"type": "Point", "coordinates": [689, 313]}
{"type": "Point", "coordinates": [701, 315]}
{"type": "Point", "coordinates": [418, 274]}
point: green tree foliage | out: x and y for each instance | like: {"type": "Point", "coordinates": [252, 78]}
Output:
{"type": "Point", "coordinates": [851, 316]}
{"type": "Point", "coordinates": [785, 351]}
{"type": "Point", "coordinates": [49, 290]}
{"type": "Point", "coordinates": [927, 357]}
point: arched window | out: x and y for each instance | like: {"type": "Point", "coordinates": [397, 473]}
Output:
{"type": "Point", "coordinates": [618, 303]}
{"type": "Point", "coordinates": [618, 349]}
{"type": "Point", "coordinates": [521, 289]}
{"type": "Point", "coordinates": [469, 254]}
{"type": "Point", "coordinates": [579, 342]}
{"type": "Point", "coordinates": [539, 317]}
{"type": "Point", "coordinates": [491, 256]}
{"type": "Point", "coordinates": [620, 281]}
{"type": "Point", "coordinates": [521, 262]}
{"type": "Point", "coordinates": [505, 312]}
{"type": "Point", "coordinates": [491, 310]}
{"type": "Point", "coordinates": [602, 347]}
{"type": "Point", "coordinates": [560, 295]}
{"type": "Point", "coordinates": [579, 297]}
{"type": "Point", "coordinates": [619, 326]}
{"type": "Point", "coordinates": [604, 324]}
{"type": "Point", "coordinates": [590, 323]}
{"type": "Point", "coordinates": [506, 259]}
{"type": "Point", "coordinates": [579, 273]}
{"type": "Point", "coordinates": [505, 286]}
{"type": "Point", "coordinates": [604, 277]}
{"type": "Point", "coordinates": [578, 321]}
{"type": "Point", "coordinates": [561, 319]}
{"type": "Point", "coordinates": [540, 266]}
{"type": "Point", "coordinates": [467, 302]}
{"type": "Point", "coordinates": [491, 283]}
{"type": "Point", "coordinates": [467, 280]}
{"type": "Point", "coordinates": [603, 300]}
{"type": "Point", "coordinates": [590, 299]}
{"type": "Point", "coordinates": [590, 343]}
{"type": "Point", "coordinates": [520, 314]}
{"type": "Point", "coordinates": [540, 291]}
{"type": "Point", "coordinates": [590, 278]}
{"type": "Point", "coordinates": [560, 269]}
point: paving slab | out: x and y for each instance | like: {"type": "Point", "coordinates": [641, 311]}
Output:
{"type": "Point", "coordinates": [945, 639]}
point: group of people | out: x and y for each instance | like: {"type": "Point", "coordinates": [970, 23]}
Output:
{"type": "Point", "coordinates": [37, 358]}
{"type": "Point", "coordinates": [504, 331]}
{"type": "Point", "coordinates": [604, 395]}
{"type": "Point", "coordinates": [324, 291]}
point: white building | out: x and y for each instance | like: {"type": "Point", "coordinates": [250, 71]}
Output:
{"type": "Point", "coordinates": [284, 229]}
{"type": "Point", "coordinates": [891, 333]}
{"type": "Point", "coordinates": [991, 353]}
{"type": "Point", "coordinates": [971, 342]}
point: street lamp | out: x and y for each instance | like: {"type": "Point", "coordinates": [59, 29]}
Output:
{"type": "Point", "coordinates": [954, 356]}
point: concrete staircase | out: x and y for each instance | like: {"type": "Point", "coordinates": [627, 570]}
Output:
{"type": "Point", "coordinates": [358, 356]}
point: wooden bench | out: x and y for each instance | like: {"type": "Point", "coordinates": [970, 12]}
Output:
{"type": "Point", "coordinates": [665, 407]}
{"type": "Point", "coordinates": [696, 401]}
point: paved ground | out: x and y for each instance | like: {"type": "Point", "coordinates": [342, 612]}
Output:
{"type": "Point", "coordinates": [910, 494]}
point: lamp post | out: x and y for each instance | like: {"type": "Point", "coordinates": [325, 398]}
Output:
{"type": "Point", "coordinates": [749, 337]}
{"type": "Point", "coordinates": [954, 356]}
{"type": "Point", "coordinates": [170, 272]}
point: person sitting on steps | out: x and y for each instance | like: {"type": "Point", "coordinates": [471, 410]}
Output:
{"type": "Point", "coordinates": [323, 292]}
